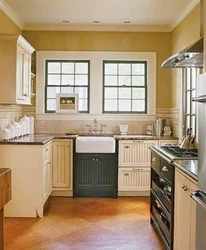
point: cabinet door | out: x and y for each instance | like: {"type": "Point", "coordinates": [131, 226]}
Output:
{"type": "Point", "coordinates": [168, 142]}
{"type": "Point", "coordinates": [184, 223]}
{"type": "Point", "coordinates": [62, 164]}
{"type": "Point", "coordinates": [135, 152]}
{"type": "Point", "coordinates": [85, 167]}
{"type": "Point", "coordinates": [46, 180]}
{"type": "Point", "coordinates": [106, 171]}
{"type": "Point", "coordinates": [27, 77]}
{"type": "Point", "coordinates": [23, 76]}
{"type": "Point", "coordinates": [134, 179]}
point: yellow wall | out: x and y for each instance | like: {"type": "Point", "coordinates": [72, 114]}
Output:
{"type": "Point", "coordinates": [112, 41]}
{"type": "Point", "coordinates": [186, 33]}
{"type": "Point", "coordinates": [7, 26]}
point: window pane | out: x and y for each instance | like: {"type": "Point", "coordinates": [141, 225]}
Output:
{"type": "Point", "coordinates": [67, 79]}
{"type": "Point", "coordinates": [68, 67]}
{"type": "Point", "coordinates": [125, 93]}
{"type": "Point", "coordinates": [138, 69]}
{"type": "Point", "coordinates": [67, 90]}
{"type": "Point", "coordinates": [124, 80]}
{"type": "Point", "coordinates": [188, 102]}
{"type": "Point", "coordinates": [51, 104]}
{"type": "Point", "coordinates": [110, 69]}
{"type": "Point", "coordinates": [193, 125]}
{"type": "Point", "coordinates": [110, 93]}
{"type": "Point", "coordinates": [124, 69]}
{"type": "Point", "coordinates": [53, 80]}
{"type": "Point", "coordinates": [187, 125]}
{"type": "Point", "coordinates": [110, 80]}
{"type": "Point", "coordinates": [110, 105]}
{"type": "Point", "coordinates": [81, 79]}
{"type": "Point", "coordinates": [82, 92]}
{"type": "Point", "coordinates": [188, 79]}
{"type": "Point", "coordinates": [124, 105]}
{"type": "Point", "coordinates": [138, 80]}
{"type": "Point", "coordinates": [138, 93]}
{"type": "Point", "coordinates": [54, 67]}
{"type": "Point", "coordinates": [81, 68]}
{"type": "Point", "coordinates": [51, 92]}
{"type": "Point", "coordinates": [83, 104]}
{"type": "Point", "coordinates": [138, 105]}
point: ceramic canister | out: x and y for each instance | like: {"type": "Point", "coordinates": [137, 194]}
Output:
{"type": "Point", "coordinates": [22, 126]}
{"type": "Point", "coordinates": [26, 120]}
{"type": "Point", "coordinates": [17, 127]}
{"type": "Point", "coordinates": [12, 130]}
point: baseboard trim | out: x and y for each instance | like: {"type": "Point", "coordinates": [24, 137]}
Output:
{"type": "Point", "coordinates": [68, 193]}
{"type": "Point", "coordinates": [134, 193]}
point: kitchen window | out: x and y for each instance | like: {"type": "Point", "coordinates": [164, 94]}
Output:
{"type": "Point", "coordinates": [125, 87]}
{"type": "Point", "coordinates": [67, 77]}
{"type": "Point", "coordinates": [189, 92]}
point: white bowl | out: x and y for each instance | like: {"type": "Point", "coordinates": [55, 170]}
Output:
{"type": "Point", "coordinates": [123, 129]}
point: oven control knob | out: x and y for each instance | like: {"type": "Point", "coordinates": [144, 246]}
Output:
{"type": "Point", "coordinates": [154, 159]}
{"type": "Point", "coordinates": [165, 169]}
{"type": "Point", "coordinates": [185, 188]}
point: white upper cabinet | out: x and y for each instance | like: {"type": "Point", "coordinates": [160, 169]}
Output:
{"type": "Point", "coordinates": [15, 70]}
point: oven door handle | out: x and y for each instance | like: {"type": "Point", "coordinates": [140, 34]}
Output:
{"type": "Point", "coordinates": [199, 197]}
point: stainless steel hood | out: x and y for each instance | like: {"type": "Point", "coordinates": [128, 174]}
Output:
{"type": "Point", "coordinates": [190, 57]}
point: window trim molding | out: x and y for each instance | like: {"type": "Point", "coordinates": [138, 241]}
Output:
{"type": "Point", "coordinates": [96, 73]}
{"type": "Point", "coordinates": [46, 85]}
{"type": "Point", "coordinates": [119, 87]}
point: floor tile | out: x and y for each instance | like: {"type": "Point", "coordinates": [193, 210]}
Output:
{"type": "Point", "coordinates": [86, 224]}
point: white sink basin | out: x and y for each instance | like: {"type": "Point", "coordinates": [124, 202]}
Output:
{"type": "Point", "coordinates": [95, 144]}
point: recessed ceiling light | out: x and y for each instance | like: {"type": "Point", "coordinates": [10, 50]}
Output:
{"type": "Point", "coordinates": [126, 21]}
{"type": "Point", "coordinates": [65, 21]}
{"type": "Point", "coordinates": [96, 21]}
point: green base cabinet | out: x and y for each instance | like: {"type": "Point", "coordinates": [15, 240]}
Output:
{"type": "Point", "coordinates": [95, 175]}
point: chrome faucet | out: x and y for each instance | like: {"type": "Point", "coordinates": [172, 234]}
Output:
{"type": "Point", "coordinates": [95, 128]}
{"type": "Point", "coordinates": [189, 142]}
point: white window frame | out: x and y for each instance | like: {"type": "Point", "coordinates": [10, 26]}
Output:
{"type": "Point", "coordinates": [96, 86]}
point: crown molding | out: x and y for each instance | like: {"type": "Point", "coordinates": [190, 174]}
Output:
{"type": "Point", "coordinates": [185, 12]}
{"type": "Point", "coordinates": [98, 27]}
{"type": "Point", "coordinates": [11, 14]}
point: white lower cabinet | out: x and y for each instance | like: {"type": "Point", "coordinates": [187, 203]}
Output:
{"type": "Point", "coordinates": [62, 182]}
{"type": "Point", "coordinates": [184, 213]}
{"type": "Point", "coordinates": [31, 167]}
{"type": "Point", "coordinates": [134, 179]}
{"type": "Point", "coordinates": [168, 142]}
{"type": "Point", "coordinates": [135, 153]}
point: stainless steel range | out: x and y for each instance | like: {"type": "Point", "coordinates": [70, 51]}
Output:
{"type": "Point", "coordinates": [171, 153]}
{"type": "Point", "coordinates": [162, 188]}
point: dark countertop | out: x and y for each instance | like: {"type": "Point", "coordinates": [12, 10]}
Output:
{"type": "Point", "coordinates": [190, 167]}
{"type": "Point", "coordinates": [4, 170]}
{"type": "Point", "coordinates": [41, 139]}
{"type": "Point", "coordinates": [143, 137]}
{"type": "Point", "coordinates": [38, 139]}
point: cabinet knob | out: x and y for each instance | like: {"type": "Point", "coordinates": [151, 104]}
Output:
{"type": "Point", "coordinates": [185, 188]}
{"type": "Point", "coordinates": [154, 159]}
{"type": "Point", "coordinates": [93, 159]}
{"type": "Point", "coordinates": [126, 174]}
{"type": "Point", "coordinates": [25, 95]}
{"type": "Point", "coordinates": [97, 159]}
{"type": "Point", "coordinates": [165, 169]}
{"type": "Point", "coordinates": [126, 146]}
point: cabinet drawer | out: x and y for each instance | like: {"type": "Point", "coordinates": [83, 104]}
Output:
{"type": "Point", "coordinates": [155, 162]}
{"type": "Point", "coordinates": [5, 188]}
{"type": "Point", "coordinates": [46, 150]}
{"type": "Point", "coordinates": [167, 171]}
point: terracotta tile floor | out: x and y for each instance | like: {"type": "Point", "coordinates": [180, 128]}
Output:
{"type": "Point", "coordinates": [86, 224]}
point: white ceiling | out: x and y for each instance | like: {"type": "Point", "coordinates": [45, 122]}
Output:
{"type": "Point", "coordinates": [160, 15]}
